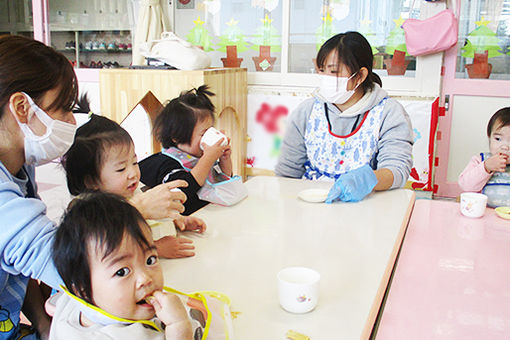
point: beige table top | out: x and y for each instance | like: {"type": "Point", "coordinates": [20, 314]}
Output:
{"type": "Point", "coordinates": [352, 245]}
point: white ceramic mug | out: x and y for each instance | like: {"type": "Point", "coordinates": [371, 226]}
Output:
{"type": "Point", "coordinates": [211, 136]}
{"type": "Point", "coordinates": [298, 289]}
{"type": "Point", "coordinates": [473, 204]}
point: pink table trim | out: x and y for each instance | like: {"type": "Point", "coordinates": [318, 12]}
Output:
{"type": "Point", "coordinates": [374, 310]}
{"type": "Point", "coordinates": [452, 279]}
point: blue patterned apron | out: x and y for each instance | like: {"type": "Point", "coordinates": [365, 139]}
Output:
{"type": "Point", "coordinates": [497, 188]}
{"type": "Point", "coordinates": [331, 155]}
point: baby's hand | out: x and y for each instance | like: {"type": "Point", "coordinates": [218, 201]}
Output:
{"type": "Point", "coordinates": [171, 247]}
{"type": "Point", "coordinates": [227, 152]}
{"type": "Point", "coordinates": [496, 163]}
{"type": "Point", "coordinates": [215, 151]}
{"type": "Point", "coordinates": [190, 223]}
{"type": "Point", "coordinates": [170, 310]}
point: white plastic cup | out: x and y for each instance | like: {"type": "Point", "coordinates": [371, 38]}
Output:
{"type": "Point", "coordinates": [211, 136]}
{"type": "Point", "coordinates": [473, 204]}
{"type": "Point", "coordinates": [298, 289]}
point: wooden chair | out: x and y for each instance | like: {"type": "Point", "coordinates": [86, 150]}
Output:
{"type": "Point", "coordinates": [139, 124]}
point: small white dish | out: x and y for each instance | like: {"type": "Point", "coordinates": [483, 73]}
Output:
{"type": "Point", "coordinates": [313, 195]}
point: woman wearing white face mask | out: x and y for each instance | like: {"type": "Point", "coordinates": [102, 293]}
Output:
{"type": "Point", "coordinates": [351, 132]}
{"type": "Point", "coordinates": [38, 89]}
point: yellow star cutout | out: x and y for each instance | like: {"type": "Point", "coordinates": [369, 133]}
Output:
{"type": "Point", "coordinates": [365, 22]}
{"type": "Point", "coordinates": [327, 18]}
{"type": "Point", "coordinates": [232, 22]}
{"type": "Point", "coordinates": [198, 22]}
{"type": "Point", "coordinates": [399, 21]}
{"type": "Point", "coordinates": [482, 22]}
{"type": "Point", "coordinates": [266, 20]}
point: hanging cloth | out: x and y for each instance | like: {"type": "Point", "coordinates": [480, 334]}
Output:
{"type": "Point", "coordinates": [151, 23]}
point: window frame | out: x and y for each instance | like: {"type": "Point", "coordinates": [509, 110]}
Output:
{"type": "Point", "coordinates": [425, 83]}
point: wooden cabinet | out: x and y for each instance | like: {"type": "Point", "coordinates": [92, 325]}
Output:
{"type": "Point", "coordinates": [122, 89]}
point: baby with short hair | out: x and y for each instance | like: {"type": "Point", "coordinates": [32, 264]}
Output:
{"type": "Point", "coordinates": [489, 173]}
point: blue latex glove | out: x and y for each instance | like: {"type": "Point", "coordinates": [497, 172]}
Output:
{"type": "Point", "coordinates": [353, 186]}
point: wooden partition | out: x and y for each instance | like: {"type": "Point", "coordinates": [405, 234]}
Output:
{"type": "Point", "coordinates": [122, 89]}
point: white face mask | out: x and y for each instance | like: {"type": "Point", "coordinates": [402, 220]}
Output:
{"type": "Point", "coordinates": [55, 142]}
{"type": "Point", "coordinates": [333, 89]}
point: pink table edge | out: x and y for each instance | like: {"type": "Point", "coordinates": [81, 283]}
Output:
{"type": "Point", "coordinates": [381, 291]}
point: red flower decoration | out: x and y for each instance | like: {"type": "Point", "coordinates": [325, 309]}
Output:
{"type": "Point", "coordinates": [250, 161]}
{"type": "Point", "coordinates": [268, 116]}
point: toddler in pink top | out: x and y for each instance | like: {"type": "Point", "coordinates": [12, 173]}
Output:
{"type": "Point", "coordinates": [490, 172]}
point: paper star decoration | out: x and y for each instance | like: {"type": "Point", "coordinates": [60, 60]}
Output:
{"type": "Point", "coordinates": [232, 22]}
{"type": "Point", "coordinates": [266, 20]}
{"type": "Point", "coordinates": [327, 18]}
{"type": "Point", "coordinates": [399, 21]}
{"type": "Point", "coordinates": [198, 22]}
{"type": "Point", "coordinates": [482, 22]}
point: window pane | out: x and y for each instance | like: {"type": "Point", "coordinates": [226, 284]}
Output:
{"type": "Point", "coordinates": [230, 30]}
{"type": "Point", "coordinates": [313, 22]}
{"type": "Point", "coordinates": [484, 40]}
{"type": "Point", "coordinates": [16, 18]}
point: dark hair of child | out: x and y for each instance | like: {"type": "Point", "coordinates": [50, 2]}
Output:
{"type": "Point", "coordinates": [84, 159]}
{"type": "Point", "coordinates": [175, 124]}
{"type": "Point", "coordinates": [103, 218]}
{"type": "Point", "coordinates": [354, 51]}
{"type": "Point", "coordinates": [499, 119]}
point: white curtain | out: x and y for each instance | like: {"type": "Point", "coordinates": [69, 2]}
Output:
{"type": "Point", "coordinates": [151, 22]}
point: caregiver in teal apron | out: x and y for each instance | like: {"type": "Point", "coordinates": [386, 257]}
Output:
{"type": "Point", "coordinates": [350, 132]}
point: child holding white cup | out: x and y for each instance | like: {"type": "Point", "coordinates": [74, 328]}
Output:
{"type": "Point", "coordinates": [192, 150]}
{"type": "Point", "coordinates": [489, 173]}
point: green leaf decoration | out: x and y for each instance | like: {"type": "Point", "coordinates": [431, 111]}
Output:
{"type": "Point", "coordinates": [267, 35]}
{"type": "Point", "coordinates": [369, 34]}
{"type": "Point", "coordinates": [232, 36]}
{"type": "Point", "coordinates": [325, 31]}
{"type": "Point", "coordinates": [482, 39]}
{"type": "Point", "coordinates": [199, 36]}
{"type": "Point", "coordinates": [396, 39]}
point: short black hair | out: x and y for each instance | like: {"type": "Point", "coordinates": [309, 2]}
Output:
{"type": "Point", "coordinates": [82, 162]}
{"type": "Point", "coordinates": [499, 119]}
{"type": "Point", "coordinates": [175, 123]}
{"type": "Point", "coordinates": [101, 217]}
{"type": "Point", "coordinates": [354, 51]}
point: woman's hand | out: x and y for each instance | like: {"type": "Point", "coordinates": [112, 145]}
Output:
{"type": "Point", "coordinates": [190, 223]}
{"type": "Point", "coordinates": [496, 163]}
{"type": "Point", "coordinates": [171, 247]}
{"type": "Point", "coordinates": [160, 201]}
{"type": "Point", "coordinates": [353, 185]}
{"type": "Point", "coordinates": [170, 310]}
